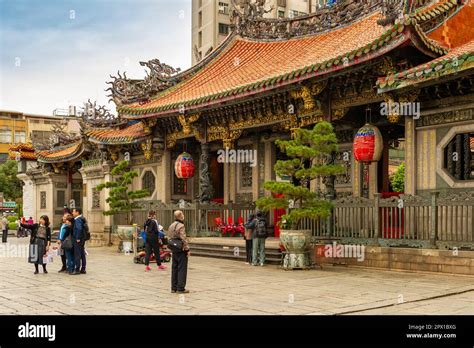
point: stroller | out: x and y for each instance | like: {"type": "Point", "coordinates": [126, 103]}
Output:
{"type": "Point", "coordinates": [165, 254]}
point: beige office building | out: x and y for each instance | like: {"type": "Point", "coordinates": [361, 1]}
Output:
{"type": "Point", "coordinates": [211, 20]}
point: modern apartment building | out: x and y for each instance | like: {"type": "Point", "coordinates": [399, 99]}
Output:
{"type": "Point", "coordinates": [211, 20]}
{"type": "Point", "coordinates": [17, 127]}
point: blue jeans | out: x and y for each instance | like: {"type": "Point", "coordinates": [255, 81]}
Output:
{"type": "Point", "coordinates": [70, 260]}
{"type": "Point", "coordinates": [258, 252]}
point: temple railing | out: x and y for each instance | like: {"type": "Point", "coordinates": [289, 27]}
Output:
{"type": "Point", "coordinates": [199, 218]}
{"type": "Point", "coordinates": [413, 221]}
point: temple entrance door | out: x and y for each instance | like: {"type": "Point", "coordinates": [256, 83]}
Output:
{"type": "Point", "coordinates": [217, 178]}
{"type": "Point", "coordinates": [393, 156]}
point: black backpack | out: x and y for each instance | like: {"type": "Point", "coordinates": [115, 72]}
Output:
{"type": "Point", "coordinates": [86, 232]}
{"type": "Point", "coordinates": [261, 229]}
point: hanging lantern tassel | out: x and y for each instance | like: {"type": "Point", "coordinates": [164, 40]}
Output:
{"type": "Point", "coordinates": [184, 166]}
{"type": "Point", "coordinates": [368, 146]}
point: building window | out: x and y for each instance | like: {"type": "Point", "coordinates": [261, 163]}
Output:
{"type": "Point", "coordinates": [95, 198]}
{"type": "Point", "coordinates": [281, 3]}
{"type": "Point", "coordinates": [281, 13]}
{"type": "Point", "coordinates": [40, 136]}
{"type": "Point", "coordinates": [200, 19]}
{"type": "Point", "coordinates": [20, 137]}
{"type": "Point", "coordinates": [43, 200]}
{"type": "Point", "coordinates": [60, 198]}
{"type": "Point", "coordinates": [459, 157]}
{"type": "Point", "coordinates": [200, 39]}
{"type": "Point", "coordinates": [293, 14]}
{"type": "Point", "coordinates": [76, 196]}
{"type": "Point", "coordinates": [223, 8]}
{"type": "Point", "coordinates": [223, 29]}
{"type": "Point", "coordinates": [5, 136]}
{"type": "Point", "coordinates": [3, 157]}
{"type": "Point", "coordinates": [148, 182]}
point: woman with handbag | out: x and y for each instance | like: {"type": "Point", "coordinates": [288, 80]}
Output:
{"type": "Point", "coordinates": [61, 251]}
{"type": "Point", "coordinates": [39, 242]}
{"type": "Point", "coordinates": [67, 246]}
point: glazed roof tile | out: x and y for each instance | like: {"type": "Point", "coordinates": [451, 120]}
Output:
{"type": "Point", "coordinates": [457, 30]}
{"type": "Point", "coordinates": [457, 60]}
{"type": "Point", "coordinates": [130, 134]}
{"type": "Point", "coordinates": [249, 66]}
{"type": "Point", "coordinates": [61, 154]}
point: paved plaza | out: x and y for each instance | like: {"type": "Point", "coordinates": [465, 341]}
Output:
{"type": "Point", "coordinates": [115, 285]}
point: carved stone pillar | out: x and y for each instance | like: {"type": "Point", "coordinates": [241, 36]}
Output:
{"type": "Point", "coordinates": [205, 184]}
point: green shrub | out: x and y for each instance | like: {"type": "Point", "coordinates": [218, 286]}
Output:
{"type": "Point", "coordinates": [12, 218]}
{"type": "Point", "coordinates": [12, 226]}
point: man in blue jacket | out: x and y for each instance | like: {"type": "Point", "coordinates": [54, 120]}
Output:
{"type": "Point", "coordinates": [79, 242]}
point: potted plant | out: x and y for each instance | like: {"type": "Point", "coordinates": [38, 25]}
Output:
{"type": "Point", "coordinates": [122, 199]}
{"type": "Point", "coordinates": [309, 154]}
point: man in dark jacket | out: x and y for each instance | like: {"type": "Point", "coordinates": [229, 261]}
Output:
{"type": "Point", "coordinates": [79, 242]}
{"type": "Point", "coordinates": [179, 269]}
{"type": "Point", "coordinates": [152, 243]}
{"type": "Point", "coordinates": [259, 236]}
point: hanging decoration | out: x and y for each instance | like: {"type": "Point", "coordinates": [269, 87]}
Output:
{"type": "Point", "coordinates": [184, 166]}
{"type": "Point", "coordinates": [368, 144]}
{"type": "Point", "coordinates": [367, 147]}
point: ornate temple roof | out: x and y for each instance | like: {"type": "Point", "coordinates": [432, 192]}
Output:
{"type": "Point", "coordinates": [63, 153]}
{"type": "Point", "coordinates": [24, 150]}
{"type": "Point", "coordinates": [247, 66]}
{"type": "Point", "coordinates": [457, 30]}
{"type": "Point", "coordinates": [116, 136]}
{"type": "Point", "coordinates": [456, 61]}
{"type": "Point", "coordinates": [457, 33]}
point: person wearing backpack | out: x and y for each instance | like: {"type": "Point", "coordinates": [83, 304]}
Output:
{"type": "Point", "coordinates": [179, 247]}
{"type": "Point", "coordinates": [248, 236]}
{"type": "Point", "coordinates": [81, 235]}
{"type": "Point", "coordinates": [153, 241]}
{"type": "Point", "coordinates": [259, 236]}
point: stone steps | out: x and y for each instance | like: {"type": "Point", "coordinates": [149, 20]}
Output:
{"type": "Point", "coordinates": [222, 251]}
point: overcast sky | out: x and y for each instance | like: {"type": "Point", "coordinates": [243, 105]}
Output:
{"type": "Point", "coordinates": [59, 52]}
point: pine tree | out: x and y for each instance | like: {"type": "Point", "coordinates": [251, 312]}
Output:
{"type": "Point", "coordinates": [310, 146]}
{"type": "Point", "coordinates": [121, 199]}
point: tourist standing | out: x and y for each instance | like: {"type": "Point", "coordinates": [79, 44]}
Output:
{"type": "Point", "coordinates": [61, 237]}
{"type": "Point", "coordinates": [248, 236]}
{"type": "Point", "coordinates": [30, 221]}
{"type": "Point", "coordinates": [179, 269]}
{"type": "Point", "coordinates": [4, 228]}
{"type": "Point", "coordinates": [68, 249]}
{"type": "Point", "coordinates": [259, 236]}
{"type": "Point", "coordinates": [79, 236]}
{"type": "Point", "coordinates": [153, 241]}
{"type": "Point", "coordinates": [39, 242]}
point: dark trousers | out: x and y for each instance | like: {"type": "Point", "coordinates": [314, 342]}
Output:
{"type": "Point", "coordinates": [63, 260]}
{"type": "Point", "coordinates": [152, 245]}
{"type": "Point", "coordinates": [4, 236]}
{"type": "Point", "coordinates": [79, 257]}
{"type": "Point", "coordinates": [179, 271]}
{"type": "Point", "coordinates": [248, 250]}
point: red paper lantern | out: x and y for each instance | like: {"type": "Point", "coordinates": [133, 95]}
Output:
{"type": "Point", "coordinates": [184, 166]}
{"type": "Point", "coordinates": [368, 144]}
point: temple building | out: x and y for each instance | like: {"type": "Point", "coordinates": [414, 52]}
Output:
{"type": "Point", "coordinates": [343, 63]}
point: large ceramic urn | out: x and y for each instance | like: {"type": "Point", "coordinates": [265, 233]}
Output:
{"type": "Point", "coordinates": [297, 244]}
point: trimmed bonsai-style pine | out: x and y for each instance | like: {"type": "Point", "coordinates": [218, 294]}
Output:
{"type": "Point", "coordinates": [310, 156]}
{"type": "Point", "coordinates": [121, 198]}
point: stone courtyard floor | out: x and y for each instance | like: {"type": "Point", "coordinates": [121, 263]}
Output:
{"type": "Point", "coordinates": [115, 285]}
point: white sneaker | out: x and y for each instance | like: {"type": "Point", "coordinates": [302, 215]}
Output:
{"type": "Point", "coordinates": [246, 263]}
{"type": "Point", "coordinates": [261, 264]}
